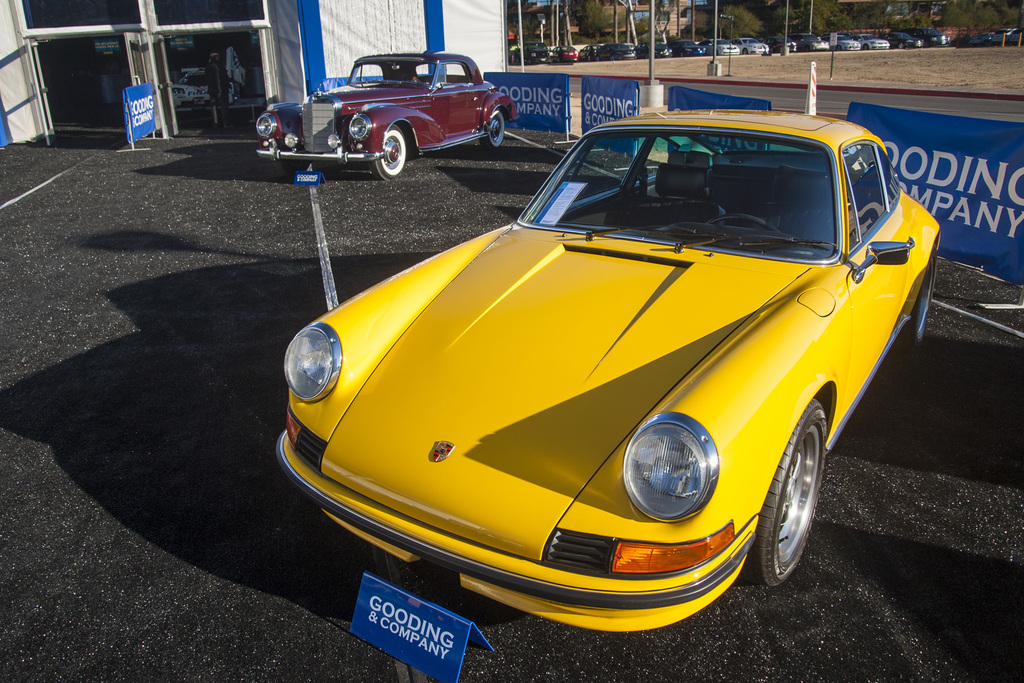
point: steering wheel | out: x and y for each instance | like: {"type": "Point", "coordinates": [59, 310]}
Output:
{"type": "Point", "coordinates": [744, 218]}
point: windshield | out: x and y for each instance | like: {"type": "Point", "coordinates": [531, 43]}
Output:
{"type": "Point", "coordinates": [391, 72]}
{"type": "Point", "coordinates": [736, 192]}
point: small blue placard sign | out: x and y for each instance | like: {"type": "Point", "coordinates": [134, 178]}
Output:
{"type": "Point", "coordinates": [308, 177]}
{"type": "Point", "coordinates": [139, 111]}
{"type": "Point", "coordinates": [421, 634]}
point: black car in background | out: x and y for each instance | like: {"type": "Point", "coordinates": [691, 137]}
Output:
{"type": "Point", "coordinates": [903, 41]}
{"type": "Point", "coordinates": [775, 44]}
{"type": "Point", "coordinates": [536, 53]}
{"type": "Point", "coordinates": [660, 50]}
{"type": "Point", "coordinates": [687, 48]}
{"type": "Point", "coordinates": [613, 51]}
{"type": "Point", "coordinates": [930, 36]}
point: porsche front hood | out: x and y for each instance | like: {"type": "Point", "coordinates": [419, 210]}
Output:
{"type": "Point", "coordinates": [535, 362]}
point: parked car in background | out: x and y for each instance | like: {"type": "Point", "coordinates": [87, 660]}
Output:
{"type": "Point", "coordinates": [393, 107]}
{"type": "Point", "coordinates": [614, 51]}
{"type": "Point", "coordinates": [695, 306]}
{"type": "Point", "coordinates": [660, 50]}
{"type": "Point", "coordinates": [845, 43]}
{"type": "Point", "coordinates": [191, 91]}
{"type": "Point", "coordinates": [986, 40]}
{"type": "Point", "coordinates": [929, 35]}
{"type": "Point", "coordinates": [687, 48]}
{"type": "Point", "coordinates": [775, 44]}
{"type": "Point", "coordinates": [724, 47]}
{"type": "Point", "coordinates": [903, 41]}
{"type": "Point", "coordinates": [564, 54]}
{"type": "Point", "coordinates": [536, 53]}
{"type": "Point", "coordinates": [588, 53]}
{"type": "Point", "coordinates": [808, 42]}
{"type": "Point", "coordinates": [870, 42]}
{"type": "Point", "coordinates": [751, 46]}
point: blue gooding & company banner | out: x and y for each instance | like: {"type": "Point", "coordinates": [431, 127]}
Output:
{"type": "Point", "coordinates": [139, 111]}
{"type": "Point", "coordinates": [421, 634]}
{"type": "Point", "coordinates": [541, 100]}
{"type": "Point", "coordinates": [686, 99]}
{"type": "Point", "coordinates": [608, 99]}
{"type": "Point", "coordinates": [969, 173]}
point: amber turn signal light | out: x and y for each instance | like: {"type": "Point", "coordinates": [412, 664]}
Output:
{"type": "Point", "coordinates": [652, 558]}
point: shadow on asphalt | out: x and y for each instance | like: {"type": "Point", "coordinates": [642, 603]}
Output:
{"type": "Point", "coordinates": [172, 429]}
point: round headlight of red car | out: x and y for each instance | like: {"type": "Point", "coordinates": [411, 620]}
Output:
{"type": "Point", "coordinates": [312, 363]}
{"type": "Point", "coordinates": [359, 127]}
{"type": "Point", "coordinates": [671, 467]}
{"type": "Point", "coordinates": [266, 124]}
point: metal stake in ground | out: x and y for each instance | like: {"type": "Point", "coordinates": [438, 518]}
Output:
{"type": "Point", "coordinates": [330, 291]}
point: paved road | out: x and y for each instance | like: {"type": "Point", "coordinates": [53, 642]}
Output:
{"type": "Point", "coordinates": [147, 533]}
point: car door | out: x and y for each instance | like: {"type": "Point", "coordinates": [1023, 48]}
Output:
{"type": "Point", "coordinates": [877, 294]}
{"type": "Point", "coordinates": [456, 100]}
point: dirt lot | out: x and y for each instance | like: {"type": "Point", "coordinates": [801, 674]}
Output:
{"type": "Point", "coordinates": [950, 68]}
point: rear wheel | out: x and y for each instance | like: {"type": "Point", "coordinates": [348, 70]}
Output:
{"type": "Point", "coordinates": [495, 130]}
{"type": "Point", "coordinates": [394, 155]}
{"type": "Point", "coordinates": [784, 523]}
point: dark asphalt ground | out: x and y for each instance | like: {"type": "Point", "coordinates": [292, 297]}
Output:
{"type": "Point", "coordinates": [147, 533]}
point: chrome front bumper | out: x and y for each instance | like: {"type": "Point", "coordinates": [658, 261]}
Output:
{"type": "Point", "coordinates": [336, 157]}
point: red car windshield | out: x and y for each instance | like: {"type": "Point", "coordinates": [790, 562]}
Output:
{"type": "Point", "coordinates": [390, 72]}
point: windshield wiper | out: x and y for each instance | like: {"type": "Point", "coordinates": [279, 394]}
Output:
{"type": "Point", "coordinates": [783, 240]}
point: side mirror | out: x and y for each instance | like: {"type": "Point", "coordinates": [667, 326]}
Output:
{"type": "Point", "coordinates": [883, 254]}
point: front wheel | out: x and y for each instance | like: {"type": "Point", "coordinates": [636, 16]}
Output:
{"type": "Point", "coordinates": [495, 130]}
{"type": "Point", "coordinates": [784, 522]}
{"type": "Point", "coordinates": [919, 316]}
{"type": "Point", "coordinates": [394, 155]}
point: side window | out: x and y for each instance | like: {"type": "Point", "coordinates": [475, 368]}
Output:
{"type": "Point", "coordinates": [425, 73]}
{"type": "Point", "coordinates": [455, 74]}
{"type": "Point", "coordinates": [867, 197]}
{"type": "Point", "coordinates": [892, 183]}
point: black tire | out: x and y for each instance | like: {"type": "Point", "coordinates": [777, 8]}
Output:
{"type": "Point", "coordinates": [784, 523]}
{"type": "Point", "coordinates": [919, 314]}
{"type": "Point", "coordinates": [287, 169]}
{"type": "Point", "coordinates": [395, 155]}
{"type": "Point", "coordinates": [495, 130]}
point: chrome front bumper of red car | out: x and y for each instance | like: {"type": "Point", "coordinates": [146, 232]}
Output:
{"type": "Point", "coordinates": [526, 585]}
{"type": "Point", "coordinates": [336, 157]}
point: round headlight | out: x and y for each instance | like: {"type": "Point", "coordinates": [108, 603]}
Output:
{"type": "Point", "coordinates": [333, 141]}
{"type": "Point", "coordinates": [291, 140]}
{"type": "Point", "coordinates": [266, 124]}
{"type": "Point", "coordinates": [313, 362]}
{"type": "Point", "coordinates": [671, 467]}
{"type": "Point", "coordinates": [359, 126]}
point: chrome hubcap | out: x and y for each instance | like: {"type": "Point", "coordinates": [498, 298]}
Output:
{"type": "Point", "coordinates": [798, 498]}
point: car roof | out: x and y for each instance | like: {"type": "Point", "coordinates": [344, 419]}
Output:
{"type": "Point", "coordinates": [834, 132]}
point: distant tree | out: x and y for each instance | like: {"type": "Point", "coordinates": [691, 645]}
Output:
{"type": "Point", "coordinates": [592, 19]}
{"type": "Point", "coordinates": [745, 22]}
{"type": "Point", "coordinates": [972, 14]}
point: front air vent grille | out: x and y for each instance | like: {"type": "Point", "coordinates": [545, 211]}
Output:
{"type": "Point", "coordinates": [580, 551]}
{"type": "Point", "coordinates": [317, 126]}
{"type": "Point", "coordinates": [310, 448]}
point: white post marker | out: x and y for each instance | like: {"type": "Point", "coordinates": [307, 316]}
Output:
{"type": "Point", "coordinates": [812, 91]}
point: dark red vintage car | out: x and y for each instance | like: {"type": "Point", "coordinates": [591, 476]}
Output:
{"type": "Point", "coordinates": [392, 106]}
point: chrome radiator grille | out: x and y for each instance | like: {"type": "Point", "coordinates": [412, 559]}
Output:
{"type": "Point", "coordinates": [317, 125]}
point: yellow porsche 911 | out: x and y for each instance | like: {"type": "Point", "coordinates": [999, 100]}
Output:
{"type": "Point", "coordinates": [605, 412]}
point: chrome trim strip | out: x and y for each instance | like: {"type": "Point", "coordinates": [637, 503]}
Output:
{"type": "Point", "coordinates": [516, 582]}
{"type": "Point", "coordinates": [453, 143]}
{"type": "Point", "coordinates": [339, 157]}
{"type": "Point", "coordinates": [892, 339]}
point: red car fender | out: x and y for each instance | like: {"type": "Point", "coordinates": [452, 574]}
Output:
{"type": "Point", "coordinates": [420, 129]}
{"type": "Point", "coordinates": [493, 100]}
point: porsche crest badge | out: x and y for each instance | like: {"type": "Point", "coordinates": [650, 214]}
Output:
{"type": "Point", "coordinates": [442, 449]}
